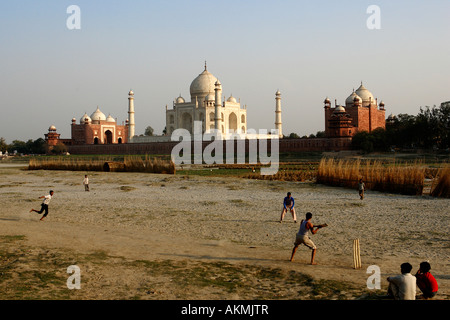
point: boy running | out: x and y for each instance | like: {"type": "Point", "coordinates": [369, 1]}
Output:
{"type": "Point", "coordinates": [44, 205]}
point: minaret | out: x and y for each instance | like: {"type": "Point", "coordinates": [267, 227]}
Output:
{"type": "Point", "coordinates": [130, 115]}
{"type": "Point", "coordinates": [278, 113]}
{"type": "Point", "coordinates": [218, 98]}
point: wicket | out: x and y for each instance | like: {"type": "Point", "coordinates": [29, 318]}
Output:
{"type": "Point", "coordinates": [356, 255]}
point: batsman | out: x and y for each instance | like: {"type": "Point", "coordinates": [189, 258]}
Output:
{"type": "Point", "coordinates": [302, 237]}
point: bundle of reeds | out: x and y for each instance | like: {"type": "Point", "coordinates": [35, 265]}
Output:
{"type": "Point", "coordinates": [442, 187]}
{"type": "Point", "coordinates": [66, 163]}
{"type": "Point", "coordinates": [403, 179]}
{"type": "Point", "coordinates": [148, 164]}
{"type": "Point", "coordinates": [129, 164]}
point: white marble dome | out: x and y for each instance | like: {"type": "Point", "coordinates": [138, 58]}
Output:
{"type": "Point", "coordinates": [110, 119]}
{"type": "Point", "coordinates": [202, 85]}
{"type": "Point", "coordinates": [365, 94]}
{"type": "Point", "coordinates": [351, 98]}
{"type": "Point", "coordinates": [180, 99]}
{"type": "Point", "coordinates": [232, 99]}
{"type": "Point", "coordinates": [98, 115]}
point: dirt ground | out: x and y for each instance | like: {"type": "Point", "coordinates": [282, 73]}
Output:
{"type": "Point", "coordinates": [149, 236]}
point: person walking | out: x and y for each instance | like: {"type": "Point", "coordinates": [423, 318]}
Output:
{"type": "Point", "coordinates": [288, 204]}
{"type": "Point", "coordinates": [302, 236]}
{"type": "Point", "coordinates": [361, 188]}
{"type": "Point", "coordinates": [86, 183]}
{"type": "Point", "coordinates": [44, 205]}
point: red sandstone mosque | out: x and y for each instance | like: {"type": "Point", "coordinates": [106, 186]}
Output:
{"type": "Point", "coordinates": [361, 113]}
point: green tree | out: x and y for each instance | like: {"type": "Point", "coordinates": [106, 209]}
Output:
{"type": "Point", "coordinates": [3, 145]}
{"type": "Point", "coordinates": [60, 148]}
{"type": "Point", "coordinates": [19, 146]}
{"type": "Point", "coordinates": [149, 131]}
{"type": "Point", "coordinates": [320, 134]}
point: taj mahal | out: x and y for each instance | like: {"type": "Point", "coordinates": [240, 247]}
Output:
{"type": "Point", "coordinates": [208, 111]}
{"type": "Point", "coordinates": [216, 113]}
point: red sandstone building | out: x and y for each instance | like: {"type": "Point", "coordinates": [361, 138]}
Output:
{"type": "Point", "coordinates": [98, 129]}
{"type": "Point", "coordinates": [361, 113]}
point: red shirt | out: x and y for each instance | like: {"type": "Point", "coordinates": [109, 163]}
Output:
{"type": "Point", "coordinates": [427, 281]}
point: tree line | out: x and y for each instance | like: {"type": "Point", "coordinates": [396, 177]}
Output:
{"type": "Point", "coordinates": [30, 146]}
{"type": "Point", "coordinates": [429, 129]}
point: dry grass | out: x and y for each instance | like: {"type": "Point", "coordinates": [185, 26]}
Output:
{"type": "Point", "coordinates": [403, 179]}
{"type": "Point", "coordinates": [129, 164]}
{"type": "Point", "coordinates": [442, 187]}
{"type": "Point", "coordinates": [67, 163]}
{"type": "Point", "coordinates": [147, 164]}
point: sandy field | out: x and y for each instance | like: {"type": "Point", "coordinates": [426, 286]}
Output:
{"type": "Point", "coordinates": [149, 236]}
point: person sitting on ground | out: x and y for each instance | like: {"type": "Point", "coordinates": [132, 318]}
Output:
{"type": "Point", "coordinates": [425, 281]}
{"type": "Point", "coordinates": [403, 287]}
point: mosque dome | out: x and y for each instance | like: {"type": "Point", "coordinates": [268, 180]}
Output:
{"type": "Point", "coordinates": [85, 116]}
{"type": "Point", "coordinates": [131, 93]}
{"type": "Point", "coordinates": [339, 109]}
{"type": "Point", "coordinates": [327, 100]}
{"type": "Point", "coordinates": [231, 99]}
{"type": "Point", "coordinates": [110, 119]}
{"type": "Point", "coordinates": [98, 115]}
{"type": "Point", "coordinates": [357, 98]}
{"type": "Point", "coordinates": [202, 85]}
{"type": "Point", "coordinates": [365, 94]}
{"type": "Point", "coordinates": [351, 98]}
{"type": "Point", "coordinates": [52, 128]}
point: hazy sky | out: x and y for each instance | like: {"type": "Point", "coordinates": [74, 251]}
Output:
{"type": "Point", "coordinates": [307, 49]}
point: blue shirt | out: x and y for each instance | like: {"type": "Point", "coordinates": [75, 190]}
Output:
{"type": "Point", "coordinates": [288, 201]}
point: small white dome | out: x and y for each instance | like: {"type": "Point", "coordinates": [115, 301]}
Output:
{"type": "Point", "coordinates": [339, 109]}
{"type": "Point", "coordinates": [52, 128]}
{"type": "Point", "coordinates": [85, 116]}
{"type": "Point", "coordinates": [351, 99]}
{"type": "Point", "coordinates": [131, 93]}
{"type": "Point", "coordinates": [98, 115]}
{"type": "Point", "coordinates": [180, 99]}
{"type": "Point", "coordinates": [210, 97]}
{"type": "Point", "coordinates": [110, 119]}
{"type": "Point", "coordinates": [231, 99]}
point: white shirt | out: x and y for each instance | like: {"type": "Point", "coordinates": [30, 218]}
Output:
{"type": "Point", "coordinates": [86, 181]}
{"type": "Point", "coordinates": [406, 284]}
{"type": "Point", "coordinates": [47, 199]}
